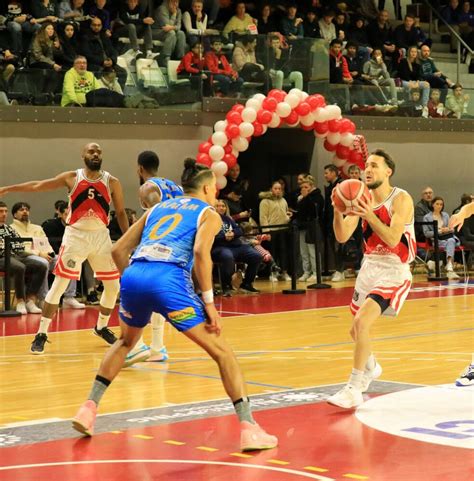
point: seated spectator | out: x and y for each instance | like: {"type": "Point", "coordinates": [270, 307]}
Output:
{"type": "Point", "coordinates": [405, 35]}
{"type": "Point", "coordinates": [99, 10]}
{"type": "Point", "coordinates": [465, 199]}
{"type": "Point", "coordinates": [19, 23]}
{"type": "Point", "coordinates": [228, 249]}
{"type": "Point", "coordinates": [311, 25]}
{"type": "Point", "coordinates": [77, 83]}
{"type": "Point", "coordinates": [167, 28]}
{"type": "Point", "coordinates": [358, 33]}
{"type": "Point", "coordinates": [339, 74]}
{"type": "Point", "coordinates": [375, 73]}
{"type": "Point", "coordinates": [409, 71]}
{"type": "Point", "coordinates": [100, 53]}
{"type": "Point", "coordinates": [421, 37]}
{"type": "Point", "coordinates": [266, 21]}
{"type": "Point", "coordinates": [241, 23]}
{"type": "Point", "coordinates": [355, 60]}
{"type": "Point", "coordinates": [457, 102]}
{"type": "Point", "coordinates": [244, 61]}
{"type": "Point", "coordinates": [451, 14]}
{"type": "Point", "coordinates": [228, 80]}
{"type": "Point", "coordinates": [274, 211]}
{"type": "Point", "coordinates": [422, 207]}
{"type": "Point", "coordinates": [342, 25]}
{"type": "Point", "coordinates": [195, 22]}
{"type": "Point", "coordinates": [46, 256]}
{"type": "Point", "coordinates": [430, 72]}
{"type": "Point", "coordinates": [380, 36]}
{"type": "Point", "coordinates": [7, 67]}
{"type": "Point", "coordinates": [73, 11]}
{"type": "Point", "coordinates": [192, 66]}
{"type": "Point", "coordinates": [291, 26]}
{"type": "Point", "coordinates": [447, 240]}
{"type": "Point", "coordinates": [233, 194]}
{"type": "Point", "coordinates": [436, 109]}
{"type": "Point", "coordinates": [310, 206]}
{"type": "Point", "coordinates": [109, 81]}
{"type": "Point", "coordinates": [68, 39]}
{"type": "Point", "coordinates": [413, 107]}
{"type": "Point", "coordinates": [327, 28]}
{"type": "Point", "coordinates": [21, 265]}
{"type": "Point", "coordinates": [135, 24]}
{"type": "Point", "coordinates": [279, 65]}
{"type": "Point", "coordinates": [45, 11]}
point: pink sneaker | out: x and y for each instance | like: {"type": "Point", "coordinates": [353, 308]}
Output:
{"type": "Point", "coordinates": [254, 438]}
{"type": "Point", "coordinates": [85, 418]}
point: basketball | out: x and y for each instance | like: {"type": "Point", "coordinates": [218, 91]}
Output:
{"type": "Point", "coordinates": [347, 195]}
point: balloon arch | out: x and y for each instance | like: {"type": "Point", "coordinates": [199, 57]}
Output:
{"type": "Point", "coordinates": [233, 135]}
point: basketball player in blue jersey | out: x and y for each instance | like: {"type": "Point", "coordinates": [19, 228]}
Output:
{"type": "Point", "coordinates": [170, 240]}
{"type": "Point", "coordinates": [153, 189]}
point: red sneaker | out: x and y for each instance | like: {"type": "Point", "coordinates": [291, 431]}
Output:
{"type": "Point", "coordinates": [85, 418]}
{"type": "Point", "coordinates": [254, 438]}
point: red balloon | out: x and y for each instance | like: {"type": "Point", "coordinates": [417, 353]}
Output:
{"type": "Point", "coordinates": [230, 160]}
{"type": "Point", "coordinates": [257, 129]}
{"type": "Point", "coordinates": [330, 147]}
{"type": "Point", "coordinates": [292, 118]}
{"type": "Point", "coordinates": [316, 101]}
{"type": "Point", "coordinates": [334, 125]}
{"type": "Point", "coordinates": [345, 125]}
{"type": "Point", "coordinates": [342, 151]}
{"type": "Point", "coordinates": [303, 109]}
{"type": "Point", "coordinates": [238, 108]}
{"type": "Point", "coordinates": [321, 127]}
{"type": "Point", "coordinates": [265, 116]}
{"type": "Point", "coordinates": [277, 94]}
{"type": "Point", "coordinates": [204, 159]}
{"type": "Point", "coordinates": [355, 157]}
{"type": "Point", "coordinates": [232, 130]}
{"type": "Point", "coordinates": [233, 117]}
{"type": "Point", "coordinates": [307, 127]}
{"type": "Point", "coordinates": [352, 127]}
{"type": "Point", "coordinates": [228, 148]}
{"type": "Point", "coordinates": [269, 104]}
{"type": "Point", "coordinates": [204, 147]}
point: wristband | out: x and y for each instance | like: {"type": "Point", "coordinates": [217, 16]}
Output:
{"type": "Point", "coordinates": [208, 296]}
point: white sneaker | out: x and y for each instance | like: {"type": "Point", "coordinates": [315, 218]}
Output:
{"type": "Point", "coordinates": [348, 397]}
{"type": "Point", "coordinates": [32, 308]}
{"type": "Point", "coordinates": [304, 277]}
{"type": "Point", "coordinates": [431, 266]}
{"type": "Point", "coordinates": [467, 377]}
{"type": "Point", "coordinates": [284, 277]}
{"type": "Point", "coordinates": [312, 278]}
{"type": "Point", "coordinates": [273, 278]}
{"type": "Point", "coordinates": [72, 303]}
{"type": "Point", "coordinates": [451, 275]}
{"type": "Point", "coordinates": [337, 277]}
{"type": "Point", "coordinates": [21, 308]}
{"type": "Point", "coordinates": [137, 355]}
{"type": "Point", "coordinates": [449, 267]}
{"type": "Point", "coordinates": [369, 376]}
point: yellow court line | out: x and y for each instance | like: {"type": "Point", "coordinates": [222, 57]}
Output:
{"type": "Point", "coordinates": [277, 461]}
{"type": "Point", "coordinates": [206, 448]}
{"type": "Point", "coordinates": [315, 468]}
{"type": "Point", "coordinates": [241, 455]}
{"type": "Point", "coordinates": [142, 436]}
{"type": "Point", "coordinates": [174, 443]}
{"type": "Point", "coordinates": [354, 476]}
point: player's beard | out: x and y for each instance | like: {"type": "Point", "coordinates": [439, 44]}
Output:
{"type": "Point", "coordinates": [375, 185]}
{"type": "Point", "coordinates": [95, 166]}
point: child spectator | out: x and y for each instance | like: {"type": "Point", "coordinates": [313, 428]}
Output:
{"type": "Point", "coordinates": [192, 66]}
{"type": "Point", "coordinates": [457, 102]}
{"type": "Point", "coordinates": [436, 109]}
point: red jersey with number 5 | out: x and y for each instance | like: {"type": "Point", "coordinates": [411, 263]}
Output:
{"type": "Point", "coordinates": [89, 202]}
{"type": "Point", "coordinates": [405, 250]}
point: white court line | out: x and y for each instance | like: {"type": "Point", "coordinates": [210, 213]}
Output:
{"type": "Point", "coordinates": [170, 461]}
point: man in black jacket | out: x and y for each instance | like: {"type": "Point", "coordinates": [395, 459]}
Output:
{"type": "Point", "coordinates": [405, 35]}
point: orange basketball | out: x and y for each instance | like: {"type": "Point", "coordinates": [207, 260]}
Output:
{"type": "Point", "coordinates": [347, 195]}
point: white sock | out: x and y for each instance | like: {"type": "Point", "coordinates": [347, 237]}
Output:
{"type": "Point", "coordinates": [44, 325]}
{"type": "Point", "coordinates": [158, 331]}
{"type": "Point", "coordinates": [370, 364]}
{"type": "Point", "coordinates": [102, 321]}
{"type": "Point", "coordinates": [355, 380]}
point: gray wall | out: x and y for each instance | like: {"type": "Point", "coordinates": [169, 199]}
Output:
{"type": "Point", "coordinates": [40, 150]}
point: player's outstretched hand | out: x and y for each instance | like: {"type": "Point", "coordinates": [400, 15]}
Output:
{"type": "Point", "coordinates": [456, 221]}
{"type": "Point", "coordinates": [212, 322]}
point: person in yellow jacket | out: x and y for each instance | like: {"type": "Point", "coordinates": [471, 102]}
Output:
{"type": "Point", "coordinates": [77, 83]}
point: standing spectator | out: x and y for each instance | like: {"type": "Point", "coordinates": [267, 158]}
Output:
{"type": "Point", "coordinates": [195, 22]}
{"type": "Point", "coordinates": [375, 73]}
{"type": "Point", "coordinates": [457, 102]}
{"type": "Point", "coordinates": [136, 24]}
{"type": "Point", "coordinates": [354, 172]}
{"type": "Point", "coordinates": [167, 28]}
{"type": "Point", "coordinates": [409, 71]}
{"type": "Point", "coordinates": [447, 240]}
{"type": "Point", "coordinates": [77, 83]}
{"type": "Point", "coordinates": [233, 194]}
{"type": "Point", "coordinates": [241, 23]}
{"type": "Point", "coordinates": [451, 14]}
{"type": "Point", "coordinates": [430, 72]}
{"type": "Point", "coordinates": [309, 207]}
{"type": "Point", "coordinates": [405, 34]}
{"type": "Point", "coordinates": [274, 211]}
{"type": "Point", "coordinates": [266, 20]}
{"type": "Point", "coordinates": [19, 23]}
{"type": "Point", "coordinates": [68, 39]}
{"type": "Point", "coordinates": [98, 10]}
{"type": "Point", "coordinates": [228, 249]}
{"type": "Point", "coordinates": [397, 7]}
{"type": "Point", "coordinates": [422, 208]}
{"type": "Point", "coordinates": [21, 264]}
{"type": "Point", "coordinates": [279, 65]}
{"type": "Point", "coordinates": [244, 61]}
{"type": "Point", "coordinates": [311, 25]}
{"type": "Point", "coordinates": [435, 108]}
{"type": "Point", "coordinates": [294, 195]}
{"type": "Point", "coordinates": [192, 66]}
{"type": "Point", "coordinates": [292, 26]}
{"type": "Point", "coordinates": [331, 175]}
{"type": "Point", "coordinates": [326, 27]}
{"type": "Point", "coordinates": [358, 33]}
{"type": "Point", "coordinates": [228, 80]}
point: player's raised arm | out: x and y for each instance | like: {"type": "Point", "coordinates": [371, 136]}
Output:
{"type": "Point", "coordinates": [65, 179]}
{"type": "Point", "coordinates": [457, 220]}
{"type": "Point", "coordinates": [119, 205]}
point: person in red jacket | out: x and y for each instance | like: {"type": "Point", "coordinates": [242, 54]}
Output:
{"type": "Point", "coordinates": [228, 80]}
{"type": "Point", "coordinates": [192, 66]}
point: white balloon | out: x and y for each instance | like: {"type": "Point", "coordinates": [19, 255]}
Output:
{"type": "Point", "coordinates": [319, 115]}
{"type": "Point", "coordinates": [299, 93]}
{"type": "Point", "coordinates": [220, 126]}
{"type": "Point", "coordinates": [333, 112]}
{"type": "Point", "coordinates": [307, 120]}
{"type": "Point", "coordinates": [338, 162]}
{"type": "Point", "coordinates": [240, 143]}
{"type": "Point", "coordinates": [253, 103]}
{"type": "Point", "coordinates": [246, 129]}
{"type": "Point", "coordinates": [235, 152]}
{"type": "Point", "coordinates": [221, 182]}
{"type": "Point", "coordinates": [347, 139]}
{"type": "Point", "coordinates": [334, 138]}
{"type": "Point", "coordinates": [259, 97]}
{"type": "Point", "coordinates": [219, 138]}
{"type": "Point", "coordinates": [283, 109]}
{"type": "Point", "coordinates": [292, 100]}
{"type": "Point", "coordinates": [216, 152]}
{"type": "Point", "coordinates": [265, 128]}
{"type": "Point", "coordinates": [249, 114]}
{"type": "Point", "coordinates": [304, 96]}
{"type": "Point", "coordinates": [219, 168]}
{"type": "Point", "coordinates": [275, 122]}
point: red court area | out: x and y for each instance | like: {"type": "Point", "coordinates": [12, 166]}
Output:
{"type": "Point", "coordinates": [317, 441]}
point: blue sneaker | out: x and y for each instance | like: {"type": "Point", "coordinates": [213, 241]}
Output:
{"type": "Point", "coordinates": [139, 355]}
{"type": "Point", "coordinates": [158, 356]}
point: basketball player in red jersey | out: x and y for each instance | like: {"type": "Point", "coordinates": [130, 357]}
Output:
{"type": "Point", "coordinates": [384, 279]}
{"type": "Point", "coordinates": [91, 191]}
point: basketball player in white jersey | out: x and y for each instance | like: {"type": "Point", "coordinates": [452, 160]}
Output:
{"type": "Point", "coordinates": [384, 279]}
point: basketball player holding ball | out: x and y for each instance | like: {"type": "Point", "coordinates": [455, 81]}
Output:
{"type": "Point", "coordinates": [384, 280]}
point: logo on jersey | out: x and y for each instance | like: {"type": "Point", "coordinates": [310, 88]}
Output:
{"type": "Point", "coordinates": [182, 315]}
{"type": "Point", "coordinates": [71, 263]}
{"type": "Point", "coordinates": [355, 296]}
